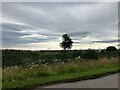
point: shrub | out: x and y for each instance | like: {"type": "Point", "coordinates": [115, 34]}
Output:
{"type": "Point", "coordinates": [90, 54]}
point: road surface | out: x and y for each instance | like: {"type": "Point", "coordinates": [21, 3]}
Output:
{"type": "Point", "coordinates": [110, 81]}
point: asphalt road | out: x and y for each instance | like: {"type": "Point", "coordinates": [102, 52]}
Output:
{"type": "Point", "coordinates": [110, 81]}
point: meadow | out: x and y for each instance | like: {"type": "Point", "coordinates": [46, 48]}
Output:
{"type": "Point", "coordinates": [27, 69]}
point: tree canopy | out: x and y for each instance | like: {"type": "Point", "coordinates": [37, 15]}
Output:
{"type": "Point", "coordinates": [111, 48]}
{"type": "Point", "coordinates": [66, 42]}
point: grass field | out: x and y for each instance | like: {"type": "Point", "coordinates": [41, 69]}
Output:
{"type": "Point", "coordinates": [34, 74]}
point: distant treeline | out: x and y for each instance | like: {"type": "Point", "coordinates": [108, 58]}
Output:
{"type": "Point", "coordinates": [21, 57]}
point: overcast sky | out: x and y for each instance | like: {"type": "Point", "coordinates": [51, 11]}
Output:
{"type": "Point", "coordinates": [39, 26]}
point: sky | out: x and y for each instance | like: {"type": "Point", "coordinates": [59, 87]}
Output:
{"type": "Point", "coordinates": [40, 25]}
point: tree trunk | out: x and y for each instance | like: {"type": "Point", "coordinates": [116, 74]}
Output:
{"type": "Point", "coordinates": [64, 49]}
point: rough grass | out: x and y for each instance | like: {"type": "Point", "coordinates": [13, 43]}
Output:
{"type": "Point", "coordinates": [34, 75]}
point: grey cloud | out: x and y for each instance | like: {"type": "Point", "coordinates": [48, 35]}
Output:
{"type": "Point", "coordinates": [108, 41]}
{"type": "Point", "coordinates": [15, 27]}
{"type": "Point", "coordinates": [12, 34]}
{"type": "Point", "coordinates": [77, 42]}
{"type": "Point", "coordinates": [56, 19]}
{"type": "Point", "coordinates": [78, 20]}
{"type": "Point", "coordinates": [78, 33]}
{"type": "Point", "coordinates": [11, 38]}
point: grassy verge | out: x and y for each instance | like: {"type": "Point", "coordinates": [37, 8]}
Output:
{"type": "Point", "coordinates": [56, 73]}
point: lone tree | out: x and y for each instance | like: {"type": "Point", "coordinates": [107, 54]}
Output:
{"type": "Point", "coordinates": [67, 42]}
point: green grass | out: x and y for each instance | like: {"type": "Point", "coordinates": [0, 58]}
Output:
{"type": "Point", "coordinates": [55, 73]}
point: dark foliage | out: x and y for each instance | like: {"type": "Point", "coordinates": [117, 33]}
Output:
{"type": "Point", "coordinates": [90, 54]}
{"type": "Point", "coordinates": [67, 42]}
{"type": "Point", "coordinates": [21, 57]}
{"type": "Point", "coordinates": [111, 48]}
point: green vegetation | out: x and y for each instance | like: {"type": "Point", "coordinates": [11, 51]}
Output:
{"type": "Point", "coordinates": [41, 74]}
{"type": "Point", "coordinates": [21, 57]}
{"type": "Point", "coordinates": [24, 69]}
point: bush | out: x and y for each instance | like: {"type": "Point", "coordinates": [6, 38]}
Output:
{"type": "Point", "coordinates": [111, 48]}
{"type": "Point", "coordinates": [90, 54]}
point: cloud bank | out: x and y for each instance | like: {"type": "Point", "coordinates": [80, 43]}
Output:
{"type": "Point", "coordinates": [40, 25]}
